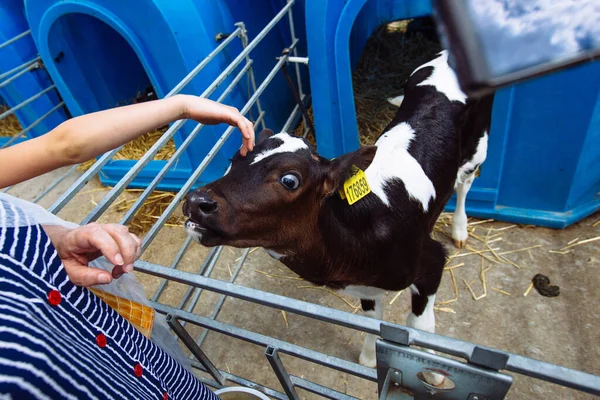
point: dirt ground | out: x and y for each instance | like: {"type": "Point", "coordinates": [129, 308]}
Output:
{"type": "Point", "coordinates": [561, 330]}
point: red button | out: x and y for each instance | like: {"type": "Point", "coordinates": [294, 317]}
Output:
{"type": "Point", "coordinates": [54, 297]}
{"type": "Point", "coordinates": [101, 340]}
{"type": "Point", "coordinates": [166, 396]}
{"type": "Point", "coordinates": [138, 370]}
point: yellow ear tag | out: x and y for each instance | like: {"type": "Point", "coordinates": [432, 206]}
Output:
{"type": "Point", "coordinates": [356, 186]}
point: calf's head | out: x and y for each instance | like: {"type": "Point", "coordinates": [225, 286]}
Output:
{"type": "Point", "coordinates": [270, 198]}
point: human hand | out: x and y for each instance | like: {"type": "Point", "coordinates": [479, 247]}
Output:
{"type": "Point", "coordinates": [78, 247]}
{"type": "Point", "coordinates": [209, 112]}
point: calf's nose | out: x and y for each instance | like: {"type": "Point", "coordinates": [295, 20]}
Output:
{"type": "Point", "coordinates": [202, 203]}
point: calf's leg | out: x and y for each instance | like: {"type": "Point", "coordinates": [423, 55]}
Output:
{"type": "Point", "coordinates": [372, 308]}
{"type": "Point", "coordinates": [423, 297]}
{"type": "Point", "coordinates": [459, 219]}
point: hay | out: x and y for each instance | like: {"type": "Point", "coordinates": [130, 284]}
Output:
{"type": "Point", "coordinates": [10, 125]}
{"type": "Point", "coordinates": [391, 54]}
{"type": "Point", "coordinates": [135, 149]}
{"type": "Point", "coordinates": [150, 211]}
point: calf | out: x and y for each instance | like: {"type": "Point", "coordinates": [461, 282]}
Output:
{"type": "Point", "coordinates": [286, 198]}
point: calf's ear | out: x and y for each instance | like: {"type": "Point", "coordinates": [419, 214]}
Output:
{"type": "Point", "coordinates": [264, 135]}
{"type": "Point", "coordinates": [339, 168]}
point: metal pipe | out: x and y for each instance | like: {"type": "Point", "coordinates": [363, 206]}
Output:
{"type": "Point", "coordinates": [24, 103]}
{"type": "Point", "coordinates": [174, 264]}
{"type": "Point", "coordinates": [324, 391]}
{"type": "Point", "coordinates": [20, 73]}
{"type": "Point", "coordinates": [292, 117]}
{"type": "Point", "coordinates": [211, 154]}
{"type": "Point", "coordinates": [185, 337]}
{"type": "Point", "coordinates": [147, 157]}
{"type": "Point", "coordinates": [14, 39]}
{"type": "Point", "coordinates": [18, 68]}
{"type": "Point", "coordinates": [306, 309]}
{"type": "Point", "coordinates": [82, 181]}
{"type": "Point", "coordinates": [188, 78]}
{"type": "Point", "coordinates": [299, 60]}
{"type": "Point", "coordinates": [55, 183]}
{"type": "Point", "coordinates": [222, 297]}
{"type": "Point", "coordinates": [150, 188]}
{"type": "Point", "coordinates": [537, 369]}
{"type": "Point", "coordinates": [207, 273]}
{"type": "Point", "coordinates": [33, 125]}
{"type": "Point", "coordinates": [294, 50]}
{"type": "Point", "coordinates": [244, 37]}
{"type": "Point", "coordinates": [238, 380]}
{"type": "Point", "coordinates": [262, 340]}
{"type": "Point", "coordinates": [281, 373]}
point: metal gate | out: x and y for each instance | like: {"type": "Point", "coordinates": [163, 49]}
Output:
{"type": "Point", "coordinates": [476, 372]}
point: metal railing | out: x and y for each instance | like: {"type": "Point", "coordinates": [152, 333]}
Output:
{"type": "Point", "coordinates": [474, 356]}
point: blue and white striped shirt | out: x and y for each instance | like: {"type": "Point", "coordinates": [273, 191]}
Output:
{"type": "Point", "coordinates": [57, 351]}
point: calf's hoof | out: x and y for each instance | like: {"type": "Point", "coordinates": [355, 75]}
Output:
{"type": "Point", "coordinates": [369, 361]}
{"type": "Point", "coordinates": [460, 243]}
{"type": "Point", "coordinates": [433, 379]}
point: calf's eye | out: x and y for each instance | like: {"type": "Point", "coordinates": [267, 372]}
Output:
{"type": "Point", "coordinates": [290, 181]}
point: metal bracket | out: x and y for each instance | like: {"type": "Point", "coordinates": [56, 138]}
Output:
{"type": "Point", "coordinates": [195, 349]}
{"type": "Point", "coordinates": [400, 372]}
{"type": "Point", "coordinates": [284, 378]}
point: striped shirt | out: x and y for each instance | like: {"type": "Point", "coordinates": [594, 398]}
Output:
{"type": "Point", "coordinates": [60, 341]}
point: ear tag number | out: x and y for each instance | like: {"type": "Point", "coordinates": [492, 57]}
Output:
{"type": "Point", "coordinates": [356, 186]}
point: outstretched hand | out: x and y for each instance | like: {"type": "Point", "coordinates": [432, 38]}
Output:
{"type": "Point", "coordinates": [209, 112]}
{"type": "Point", "coordinates": [78, 247]}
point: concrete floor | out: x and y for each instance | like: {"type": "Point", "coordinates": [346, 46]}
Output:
{"type": "Point", "coordinates": [561, 330]}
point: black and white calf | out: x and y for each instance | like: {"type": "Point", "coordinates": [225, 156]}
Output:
{"type": "Point", "coordinates": [285, 197]}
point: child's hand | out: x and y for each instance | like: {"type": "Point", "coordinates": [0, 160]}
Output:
{"type": "Point", "coordinates": [77, 247]}
{"type": "Point", "coordinates": [209, 112]}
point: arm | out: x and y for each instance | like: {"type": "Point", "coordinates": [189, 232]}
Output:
{"type": "Point", "coordinates": [83, 138]}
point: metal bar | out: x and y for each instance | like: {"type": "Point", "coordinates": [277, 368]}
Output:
{"type": "Point", "coordinates": [20, 73]}
{"type": "Point", "coordinates": [197, 351]}
{"type": "Point", "coordinates": [262, 340]}
{"type": "Point", "coordinates": [238, 380]}
{"type": "Point", "coordinates": [208, 261]}
{"type": "Point", "coordinates": [18, 68]}
{"type": "Point", "coordinates": [222, 297]}
{"type": "Point", "coordinates": [211, 154]}
{"type": "Point", "coordinates": [24, 103]}
{"type": "Point", "coordinates": [244, 38]}
{"type": "Point", "coordinates": [147, 157]}
{"type": "Point", "coordinates": [300, 60]}
{"type": "Point", "coordinates": [306, 309]}
{"type": "Point", "coordinates": [282, 375]}
{"type": "Point", "coordinates": [207, 272]}
{"type": "Point", "coordinates": [294, 50]}
{"type": "Point", "coordinates": [97, 166]}
{"type": "Point", "coordinates": [188, 78]}
{"type": "Point", "coordinates": [298, 99]}
{"type": "Point", "coordinates": [537, 369]}
{"type": "Point", "coordinates": [320, 390]}
{"type": "Point", "coordinates": [136, 169]}
{"type": "Point", "coordinates": [150, 188]}
{"type": "Point", "coordinates": [55, 183]}
{"type": "Point", "coordinates": [14, 39]}
{"type": "Point", "coordinates": [82, 181]}
{"type": "Point", "coordinates": [292, 117]}
{"type": "Point", "coordinates": [32, 125]}
{"type": "Point", "coordinates": [174, 264]}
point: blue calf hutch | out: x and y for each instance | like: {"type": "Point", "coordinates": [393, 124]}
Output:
{"type": "Point", "coordinates": [24, 83]}
{"type": "Point", "coordinates": [103, 53]}
{"type": "Point", "coordinates": [543, 163]}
